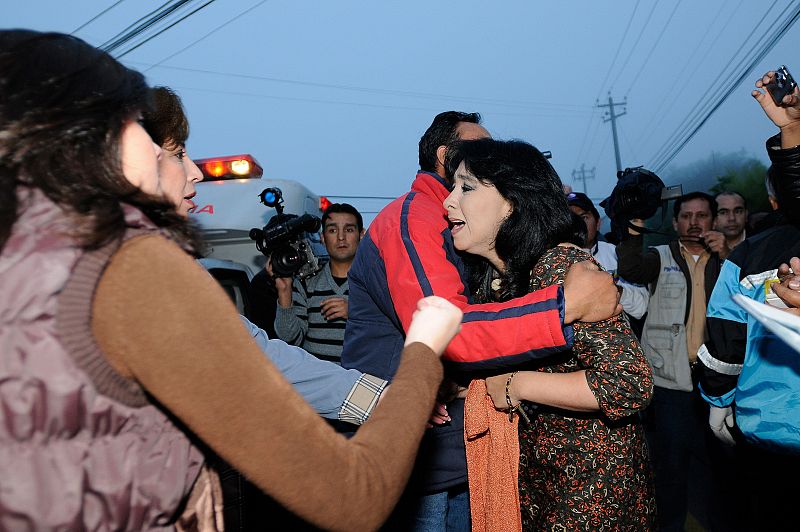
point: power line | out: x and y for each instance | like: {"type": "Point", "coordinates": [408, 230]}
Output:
{"type": "Point", "coordinates": [362, 197]}
{"type": "Point", "coordinates": [766, 48]}
{"type": "Point", "coordinates": [97, 16]}
{"type": "Point", "coordinates": [243, 13]}
{"type": "Point", "coordinates": [394, 92]}
{"type": "Point", "coordinates": [129, 50]}
{"type": "Point", "coordinates": [602, 85]}
{"type": "Point", "coordinates": [135, 29]}
{"type": "Point", "coordinates": [696, 110]}
{"type": "Point", "coordinates": [340, 102]}
{"type": "Point", "coordinates": [619, 48]}
{"type": "Point", "coordinates": [655, 44]}
{"type": "Point", "coordinates": [635, 43]}
{"type": "Point", "coordinates": [681, 78]}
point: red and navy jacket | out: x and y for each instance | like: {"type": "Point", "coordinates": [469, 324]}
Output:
{"type": "Point", "coordinates": [408, 254]}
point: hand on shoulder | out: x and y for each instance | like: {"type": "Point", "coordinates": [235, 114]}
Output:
{"type": "Point", "coordinates": [435, 322]}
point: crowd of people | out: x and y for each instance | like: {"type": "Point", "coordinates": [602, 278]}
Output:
{"type": "Point", "coordinates": [497, 362]}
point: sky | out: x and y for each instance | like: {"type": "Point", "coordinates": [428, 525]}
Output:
{"type": "Point", "coordinates": [335, 94]}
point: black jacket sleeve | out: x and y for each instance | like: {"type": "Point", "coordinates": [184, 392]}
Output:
{"type": "Point", "coordinates": [636, 265]}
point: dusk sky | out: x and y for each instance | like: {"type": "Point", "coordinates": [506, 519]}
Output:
{"type": "Point", "coordinates": [336, 94]}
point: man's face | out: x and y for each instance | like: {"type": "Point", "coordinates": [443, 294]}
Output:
{"type": "Point", "coordinates": [694, 218]}
{"type": "Point", "coordinates": [341, 236]}
{"type": "Point", "coordinates": [592, 223]}
{"type": "Point", "coordinates": [731, 216]}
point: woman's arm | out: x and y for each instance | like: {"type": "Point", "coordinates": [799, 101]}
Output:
{"type": "Point", "coordinates": [569, 391]}
{"type": "Point", "coordinates": [160, 319]}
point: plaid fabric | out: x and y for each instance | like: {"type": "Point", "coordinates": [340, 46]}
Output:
{"type": "Point", "coordinates": [362, 399]}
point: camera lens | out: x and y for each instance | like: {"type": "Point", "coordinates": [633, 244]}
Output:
{"type": "Point", "coordinates": [286, 260]}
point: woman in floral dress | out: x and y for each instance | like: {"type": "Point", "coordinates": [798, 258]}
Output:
{"type": "Point", "coordinates": [583, 459]}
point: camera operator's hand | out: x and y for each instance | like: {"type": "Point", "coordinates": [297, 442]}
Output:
{"type": "Point", "coordinates": [333, 308]}
{"type": "Point", "coordinates": [786, 116]}
{"type": "Point", "coordinates": [717, 243]}
{"type": "Point", "coordinates": [435, 322]}
{"type": "Point", "coordinates": [283, 285]}
{"type": "Point", "coordinates": [638, 223]}
{"type": "Point", "coordinates": [589, 294]}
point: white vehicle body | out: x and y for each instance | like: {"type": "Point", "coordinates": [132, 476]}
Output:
{"type": "Point", "coordinates": [227, 210]}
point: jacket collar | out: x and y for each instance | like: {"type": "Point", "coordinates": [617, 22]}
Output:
{"type": "Point", "coordinates": [431, 184]}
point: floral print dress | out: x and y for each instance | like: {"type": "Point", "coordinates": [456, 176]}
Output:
{"type": "Point", "coordinates": [589, 471]}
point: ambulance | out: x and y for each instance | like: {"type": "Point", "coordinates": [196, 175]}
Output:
{"type": "Point", "coordinates": [227, 206]}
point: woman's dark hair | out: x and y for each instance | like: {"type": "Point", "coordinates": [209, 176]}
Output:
{"type": "Point", "coordinates": [63, 104]}
{"type": "Point", "coordinates": [166, 120]}
{"type": "Point", "coordinates": [540, 218]}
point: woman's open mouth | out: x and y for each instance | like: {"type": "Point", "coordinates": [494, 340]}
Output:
{"type": "Point", "coordinates": [455, 225]}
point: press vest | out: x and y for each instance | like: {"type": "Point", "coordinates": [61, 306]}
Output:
{"type": "Point", "coordinates": [664, 335]}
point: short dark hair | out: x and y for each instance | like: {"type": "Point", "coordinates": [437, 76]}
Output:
{"type": "Point", "coordinates": [441, 132]}
{"type": "Point", "coordinates": [344, 208]}
{"type": "Point", "coordinates": [166, 122]}
{"type": "Point", "coordinates": [731, 193]}
{"type": "Point", "coordinates": [712, 203]}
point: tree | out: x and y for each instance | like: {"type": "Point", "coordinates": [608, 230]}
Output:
{"type": "Point", "coordinates": [747, 180]}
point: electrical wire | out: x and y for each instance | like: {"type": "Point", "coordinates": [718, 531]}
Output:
{"type": "Point", "coordinates": [356, 104]}
{"type": "Point", "coordinates": [635, 44]}
{"type": "Point", "coordinates": [393, 92]}
{"type": "Point", "coordinates": [652, 49]}
{"type": "Point", "coordinates": [97, 16]}
{"type": "Point", "coordinates": [619, 48]}
{"type": "Point", "coordinates": [768, 45]}
{"type": "Point", "coordinates": [137, 28]}
{"type": "Point", "coordinates": [703, 103]}
{"type": "Point", "coordinates": [243, 13]}
{"type": "Point", "coordinates": [602, 85]}
{"type": "Point", "coordinates": [662, 113]}
{"type": "Point", "coordinates": [150, 38]}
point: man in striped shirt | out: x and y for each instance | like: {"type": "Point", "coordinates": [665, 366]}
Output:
{"type": "Point", "coordinates": [312, 313]}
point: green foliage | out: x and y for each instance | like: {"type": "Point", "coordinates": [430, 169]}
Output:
{"type": "Point", "coordinates": [747, 180]}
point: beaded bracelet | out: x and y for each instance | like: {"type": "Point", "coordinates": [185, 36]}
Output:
{"type": "Point", "coordinates": [511, 408]}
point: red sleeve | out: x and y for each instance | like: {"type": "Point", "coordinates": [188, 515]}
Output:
{"type": "Point", "coordinates": [492, 334]}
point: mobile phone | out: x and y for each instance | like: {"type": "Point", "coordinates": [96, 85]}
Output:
{"type": "Point", "coordinates": [781, 85]}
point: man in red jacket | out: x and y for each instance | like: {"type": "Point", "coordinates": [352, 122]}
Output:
{"type": "Point", "coordinates": [407, 254]}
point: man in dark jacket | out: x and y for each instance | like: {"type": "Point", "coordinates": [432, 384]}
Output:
{"type": "Point", "coordinates": [408, 253]}
{"type": "Point", "coordinates": [681, 276]}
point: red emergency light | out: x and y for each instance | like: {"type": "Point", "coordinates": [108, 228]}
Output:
{"type": "Point", "coordinates": [242, 166]}
{"type": "Point", "coordinates": [324, 203]}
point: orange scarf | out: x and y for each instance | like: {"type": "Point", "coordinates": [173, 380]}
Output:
{"type": "Point", "coordinates": [492, 444]}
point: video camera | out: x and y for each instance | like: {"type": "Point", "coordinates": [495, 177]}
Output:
{"type": "Point", "coordinates": [638, 195]}
{"type": "Point", "coordinates": [283, 239]}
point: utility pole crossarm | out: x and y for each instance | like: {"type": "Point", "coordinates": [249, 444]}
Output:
{"type": "Point", "coordinates": [583, 174]}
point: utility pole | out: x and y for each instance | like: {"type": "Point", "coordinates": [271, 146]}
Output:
{"type": "Point", "coordinates": [583, 175]}
{"type": "Point", "coordinates": [611, 116]}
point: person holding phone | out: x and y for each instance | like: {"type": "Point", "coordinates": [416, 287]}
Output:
{"type": "Point", "coordinates": [749, 375]}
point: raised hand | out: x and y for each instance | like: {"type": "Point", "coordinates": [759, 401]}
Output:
{"type": "Point", "coordinates": [435, 322]}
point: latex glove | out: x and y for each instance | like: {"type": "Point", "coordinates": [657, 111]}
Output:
{"type": "Point", "coordinates": [721, 421]}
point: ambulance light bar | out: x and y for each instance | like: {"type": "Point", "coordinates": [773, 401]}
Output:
{"type": "Point", "coordinates": [242, 166]}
